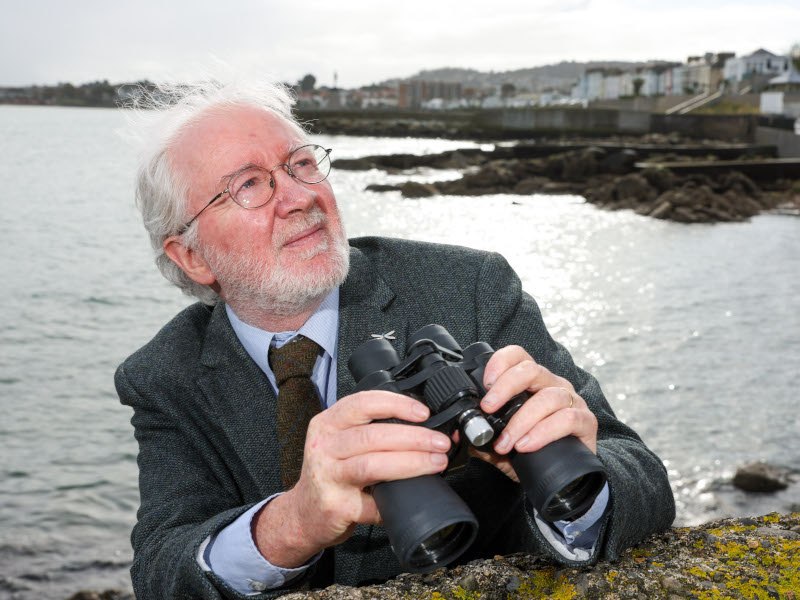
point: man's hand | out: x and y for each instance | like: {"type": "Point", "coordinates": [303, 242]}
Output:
{"type": "Point", "coordinates": [346, 452]}
{"type": "Point", "coordinates": [553, 411]}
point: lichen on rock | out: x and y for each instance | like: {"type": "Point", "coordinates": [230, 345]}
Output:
{"type": "Point", "coordinates": [756, 557]}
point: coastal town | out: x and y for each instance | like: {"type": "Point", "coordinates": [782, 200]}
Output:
{"type": "Point", "coordinates": [761, 82]}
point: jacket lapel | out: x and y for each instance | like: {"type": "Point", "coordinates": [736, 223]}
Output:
{"type": "Point", "coordinates": [242, 400]}
{"type": "Point", "coordinates": [366, 306]}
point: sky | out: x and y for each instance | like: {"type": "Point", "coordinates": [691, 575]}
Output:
{"type": "Point", "coordinates": [44, 42]}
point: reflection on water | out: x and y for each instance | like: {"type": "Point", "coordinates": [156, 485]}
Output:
{"type": "Point", "coordinates": [692, 331]}
{"type": "Point", "coordinates": [687, 328]}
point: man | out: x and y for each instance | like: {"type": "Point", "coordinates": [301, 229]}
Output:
{"type": "Point", "coordinates": [240, 213]}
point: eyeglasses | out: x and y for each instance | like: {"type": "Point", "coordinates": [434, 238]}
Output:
{"type": "Point", "coordinates": [252, 187]}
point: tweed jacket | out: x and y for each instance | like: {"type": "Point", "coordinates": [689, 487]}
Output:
{"type": "Point", "coordinates": [204, 417]}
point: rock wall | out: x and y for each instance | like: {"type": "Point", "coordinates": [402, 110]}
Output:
{"type": "Point", "coordinates": [733, 558]}
{"type": "Point", "coordinates": [752, 558]}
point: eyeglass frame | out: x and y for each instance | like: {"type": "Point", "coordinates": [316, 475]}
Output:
{"type": "Point", "coordinates": [185, 227]}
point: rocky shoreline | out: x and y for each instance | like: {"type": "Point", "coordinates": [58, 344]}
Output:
{"type": "Point", "coordinates": [751, 557]}
{"type": "Point", "coordinates": [610, 174]}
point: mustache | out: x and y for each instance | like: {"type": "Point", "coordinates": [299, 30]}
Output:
{"type": "Point", "coordinates": [314, 217]}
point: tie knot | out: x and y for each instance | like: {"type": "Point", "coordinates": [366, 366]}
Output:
{"type": "Point", "coordinates": [294, 359]}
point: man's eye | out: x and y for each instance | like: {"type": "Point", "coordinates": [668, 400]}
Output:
{"type": "Point", "coordinates": [303, 161]}
{"type": "Point", "coordinates": [249, 183]}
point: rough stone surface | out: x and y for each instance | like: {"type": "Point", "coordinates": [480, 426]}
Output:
{"type": "Point", "coordinates": [746, 558]}
{"type": "Point", "coordinates": [757, 557]}
{"type": "Point", "coordinates": [106, 595]}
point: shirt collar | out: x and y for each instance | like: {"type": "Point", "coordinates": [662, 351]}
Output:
{"type": "Point", "coordinates": [322, 327]}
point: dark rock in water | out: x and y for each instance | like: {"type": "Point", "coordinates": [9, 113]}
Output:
{"type": "Point", "coordinates": [531, 185]}
{"type": "Point", "coordinates": [381, 187]}
{"type": "Point", "coordinates": [739, 183]}
{"type": "Point", "coordinates": [661, 179]}
{"type": "Point", "coordinates": [620, 162]}
{"type": "Point", "coordinates": [604, 177]}
{"type": "Point", "coordinates": [412, 189]}
{"type": "Point", "coordinates": [633, 189]}
{"type": "Point", "coordinates": [761, 477]}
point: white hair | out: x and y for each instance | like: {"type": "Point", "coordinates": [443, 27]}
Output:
{"type": "Point", "coordinates": [159, 115]}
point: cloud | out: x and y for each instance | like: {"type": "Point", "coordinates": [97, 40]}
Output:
{"type": "Point", "coordinates": [365, 41]}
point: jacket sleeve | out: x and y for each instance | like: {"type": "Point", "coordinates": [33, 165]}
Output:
{"type": "Point", "coordinates": [641, 498]}
{"type": "Point", "coordinates": [182, 503]}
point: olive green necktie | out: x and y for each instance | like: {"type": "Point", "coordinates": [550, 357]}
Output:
{"type": "Point", "coordinates": [298, 401]}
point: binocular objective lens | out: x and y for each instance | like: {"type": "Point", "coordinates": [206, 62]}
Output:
{"type": "Point", "coordinates": [575, 498]}
{"type": "Point", "coordinates": [442, 545]}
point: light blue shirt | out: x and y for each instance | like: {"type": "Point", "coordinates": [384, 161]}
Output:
{"type": "Point", "coordinates": [322, 327]}
{"type": "Point", "coordinates": [232, 553]}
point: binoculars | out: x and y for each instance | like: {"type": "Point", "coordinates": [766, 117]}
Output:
{"type": "Point", "coordinates": [427, 522]}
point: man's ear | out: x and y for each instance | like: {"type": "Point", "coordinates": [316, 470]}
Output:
{"type": "Point", "coordinates": [189, 260]}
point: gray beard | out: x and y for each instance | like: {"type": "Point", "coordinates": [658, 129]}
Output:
{"type": "Point", "coordinates": [253, 288]}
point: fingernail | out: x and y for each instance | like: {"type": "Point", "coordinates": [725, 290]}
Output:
{"type": "Point", "coordinates": [439, 459]}
{"type": "Point", "coordinates": [523, 442]}
{"type": "Point", "coordinates": [503, 442]}
{"type": "Point", "coordinates": [420, 411]}
{"type": "Point", "coordinates": [489, 400]}
{"type": "Point", "coordinates": [441, 443]}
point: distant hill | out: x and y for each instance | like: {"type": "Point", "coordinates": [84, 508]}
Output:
{"type": "Point", "coordinates": [561, 76]}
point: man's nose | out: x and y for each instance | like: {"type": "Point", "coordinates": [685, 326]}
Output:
{"type": "Point", "coordinates": [291, 194]}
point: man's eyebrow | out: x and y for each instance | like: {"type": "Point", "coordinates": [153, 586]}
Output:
{"type": "Point", "coordinates": [288, 149]}
{"type": "Point", "coordinates": [228, 176]}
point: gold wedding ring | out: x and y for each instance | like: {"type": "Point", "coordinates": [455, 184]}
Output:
{"type": "Point", "coordinates": [571, 397]}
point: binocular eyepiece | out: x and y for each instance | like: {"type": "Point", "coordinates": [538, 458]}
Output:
{"type": "Point", "coordinates": [428, 524]}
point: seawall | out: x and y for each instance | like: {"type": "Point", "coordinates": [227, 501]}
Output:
{"type": "Point", "coordinates": [520, 123]}
{"type": "Point", "coordinates": [733, 558]}
{"type": "Point", "coordinates": [752, 557]}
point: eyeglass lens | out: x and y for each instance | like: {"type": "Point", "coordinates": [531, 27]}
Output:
{"type": "Point", "coordinates": [253, 187]}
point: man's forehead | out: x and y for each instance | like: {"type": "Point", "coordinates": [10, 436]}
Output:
{"type": "Point", "coordinates": [244, 123]}
{"type": "Point", "coordinates": [233, 136]}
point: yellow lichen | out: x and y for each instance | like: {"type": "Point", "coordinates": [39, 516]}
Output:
{"type": "Point", "coordinates": [611, 576]}
{"type": "Point", "coordinates": [765, 572]}
{"type": "Point", "coordinates": [545, 583]}
{"type": "Point", "coordinates": [731, 550]}
{"type": "Point", "coordinates": [722, 531]}
{"type": "Point", "coordinates": [641, 553]}
{"type": "Point", "coordinates": [698, 572]}
{"type": "Point", "coordinates": [459, 593]}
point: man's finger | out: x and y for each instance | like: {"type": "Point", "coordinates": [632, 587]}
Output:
{"type": "Point", "coordinates": [368, 469]}
{"type": "Point", "coordinates": [580, 423]}
{"type": "Point", "coordinates": [538, 407]}
{"type": "Point", "coordinates": [524, 376]}
{"type": "Point", "coordinates": [386, 437]}
{"type": "Point", "coordinates": [502, 360]}
{"type": "Point", "coordinates": [363, 407]}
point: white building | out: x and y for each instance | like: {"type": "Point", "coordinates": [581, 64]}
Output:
{"type": "Point", "coordinates": [594, 83]}
{"type": "Point", "coordinates": [672, 80]}
{"type": "Point", "coordinates": [783, 95]}
{"type": "Point", "coordinates": [611, 85]}
{"type": "Point", "coordinates": [760, 62]}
